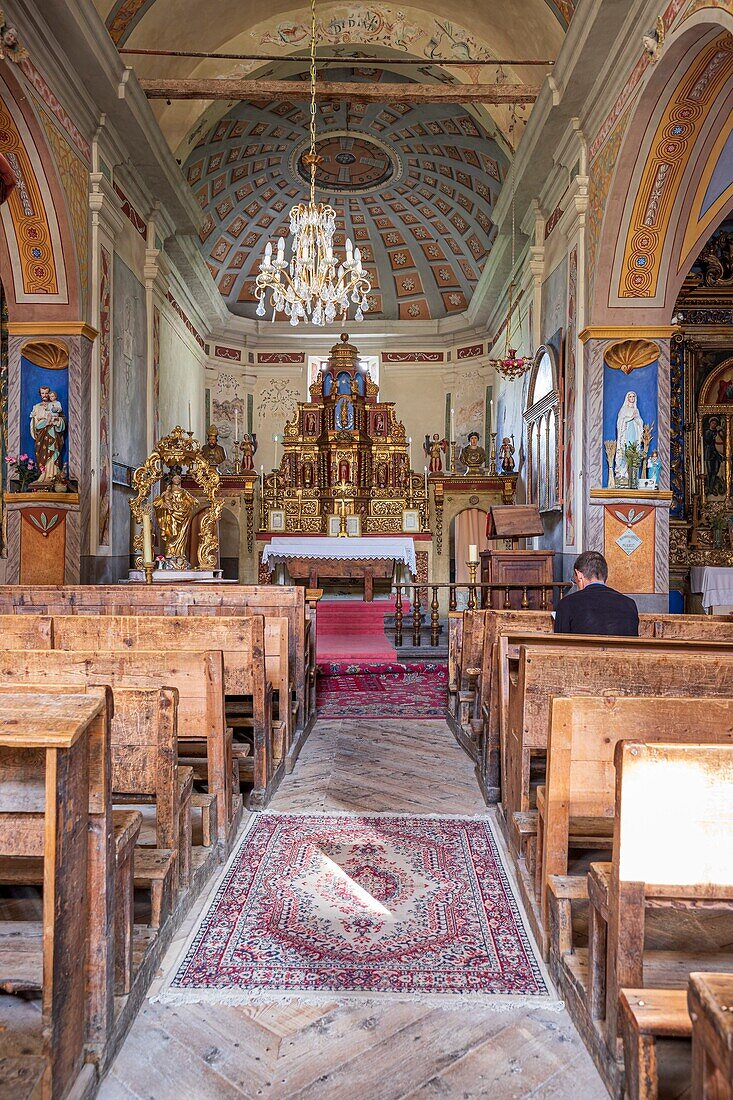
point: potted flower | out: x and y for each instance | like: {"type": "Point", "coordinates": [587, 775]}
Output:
{"type": "Point", "coordinates": [634, 457]}
{"type": "Point", "coordinates": [26, 470]}
{"type": "Point", "coordinates": [719, 521]}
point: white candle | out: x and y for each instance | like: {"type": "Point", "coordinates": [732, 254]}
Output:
{"type": "Point", "coordinates": [491, 415]}
{"type": "Point", "coordinates": [262, 474]}
{"type": "Point", "coordinates": [147, 539]}
{"type": "Point", "coordinates": [410, 442]}
{"type": "Point", "coordinates": [426, 481]}
{"type": "Point", "coordinates": [189, 416]}
{"type": "Point", "coordinates": [236, 425]}
{"type": "Point", "coordinates": [473, 553]}
{"type": "Point", "coordinates": [452, 426]}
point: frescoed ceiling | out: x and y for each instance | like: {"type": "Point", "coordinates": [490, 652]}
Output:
{"type": "Point", "coordinates": [413, 187]}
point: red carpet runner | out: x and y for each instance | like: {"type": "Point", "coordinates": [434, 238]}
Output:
{"type": "Point", "coordinates": [377, 689]}
{"type": "Point", "coordinates": [353, 630]}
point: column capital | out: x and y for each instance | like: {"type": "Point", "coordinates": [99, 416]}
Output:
{"type": "Point", "coordinates": [105, 205]}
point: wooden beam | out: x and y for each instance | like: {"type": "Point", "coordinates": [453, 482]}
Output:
{"type": "Point", "coordinates": [292, 91]}
{"type": "Point", "coordinates": [346, 62]}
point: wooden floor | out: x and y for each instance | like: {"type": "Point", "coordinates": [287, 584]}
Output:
{"type": "Point", "coordinates": [364, 1053]}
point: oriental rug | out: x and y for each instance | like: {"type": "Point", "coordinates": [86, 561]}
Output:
{"type": "Point", "coordinates": [338, 906]}
{"type": "Point", "coordinates": [382, 689]}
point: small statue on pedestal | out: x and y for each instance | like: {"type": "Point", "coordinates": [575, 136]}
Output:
{"type": "Point", "coordinates": [434, 449]}
{"type": "Point", "coordinates": [248, 447]}
{"type": "Point", "coordinates": [48, 428]}
{"type": "Point", "coordinates": [212, 449]}
{"type": "Point", "coordinates": [654, 468]}
{"type": "Point", "coordinates": [506, 454]}
{"type": "Point", "coordinates": [473, 457]}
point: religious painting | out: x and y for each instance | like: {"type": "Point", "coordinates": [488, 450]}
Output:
{"type": "Point", "coordinates": [630, 416]}
{"type": "Point", "coordinates": [713, 455]}
{"type": "Point", "coordinates": [129, 366]}
{"type": "Point", "coordinates": [718, 387]}
{"type": "Point", "coordinates": [276, 519]}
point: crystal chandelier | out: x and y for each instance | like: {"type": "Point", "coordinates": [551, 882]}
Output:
{"type": "Point", "coordinates": [511, 366]}
{"type": "Point", "coordinates": [313, 285]}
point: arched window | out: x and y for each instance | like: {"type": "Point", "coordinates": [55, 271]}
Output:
{"type": "Point", "coordinates": [544, 432]}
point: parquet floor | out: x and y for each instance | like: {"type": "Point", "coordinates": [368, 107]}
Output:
{"type": "Point", "coordinates": [399, 1050]}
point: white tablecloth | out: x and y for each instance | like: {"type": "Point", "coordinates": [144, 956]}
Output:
{"type": "Point", "coordinates": [715, 582]}
{"type": "Point", "coordinates": [348, 549]}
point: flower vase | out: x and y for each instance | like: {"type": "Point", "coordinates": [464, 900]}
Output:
{"type": "Point", "coordinates": [633, 477]}
{"type": "Point", "coordinates": [718, 538]}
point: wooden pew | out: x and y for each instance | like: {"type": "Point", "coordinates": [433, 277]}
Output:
{"type": "Point", "coordinates": [272, 601]}
{"type": "Point", "coordinates": [710, 1000]}
{"type": "Point", "coordinates": [672, 850]}
{"type": "Point", "coordinates": [551, 665]}
{"type": "Point", "coordinates": [54, 772]}
{"type": "Point", "coordinates": [575, 807]}
{"type": "Point", "coordinates": [242, 643]}
{"type": "Point", "coordinates": [198, 677]}
{"type": "Point", "coordinates": [21, 632]}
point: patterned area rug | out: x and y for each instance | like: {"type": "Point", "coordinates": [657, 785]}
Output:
{"type": "Point", "coordinates": [416, 690]}
{"type": "Point", "coordinates": [332, 906]}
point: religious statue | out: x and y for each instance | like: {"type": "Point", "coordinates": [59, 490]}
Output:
{"type": "Point", "coordinates": [629, 429]}
{"type": "Point", "coordinates": [344, 415]}
{"type": "Point", "coordinates": [355, 387]}
{"type": "Point", "coordinates": [654, 468]}
{"type": "Point", "coordinates": [308, 476]}
{"type": "Point", "coordinates": [212, 449]}
{"type": "Point", "coordinates": [344, 471]}
{"type": "Point", "coordinates": [48, 428]}
{"type": "Point", "coordinates": [473, 457]}
{"type": "Point", "coordinates": [506, 454]}
{"type": "Point", "coordinates": [248, 447]}
{"type": "Point", "coordinates": [310, 423]}
{"type": "Point", "coordinates": [434, 449]}
{"type": "Point", "coordinates": [174, 509]}
{"type": "Point", "coordinates": [382, 475]}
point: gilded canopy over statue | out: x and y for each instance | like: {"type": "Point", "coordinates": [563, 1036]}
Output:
{"type": "Point", "coordinates": [174, 506]}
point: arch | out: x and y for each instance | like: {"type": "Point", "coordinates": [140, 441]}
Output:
{"type": "Point", "coordinates": [665, 197]}
{"type": "Point", "coordinates": [38, 260]}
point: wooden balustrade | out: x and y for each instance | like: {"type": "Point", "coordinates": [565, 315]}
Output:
{"type": "Point", "coordinates": [479, 595]}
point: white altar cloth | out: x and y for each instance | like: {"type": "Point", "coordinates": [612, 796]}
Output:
{"type": "Point", "coordinates": [348, 549]}
{"type": "Point", "coordinates": [715, 582]}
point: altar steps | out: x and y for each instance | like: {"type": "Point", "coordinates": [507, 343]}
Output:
{"type": "Point", "coordinates": [353, 629]}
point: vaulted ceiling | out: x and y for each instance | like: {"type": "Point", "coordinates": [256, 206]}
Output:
{"type": "Point", "coordinates": [413, 185]}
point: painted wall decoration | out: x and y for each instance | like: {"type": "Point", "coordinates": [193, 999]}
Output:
{"type": "Point", "coordinates": [104, 457]}
{"type": "Point", "coordinates": [74, 176]}
{"type": "Point", "coordinates": [278, 398]}
{"type": "Point", "coordinates": [629, 547]}
{"type": "Point", "coordinates": [677, 434]}
{"type": "Point", "coordinates": [29, 216]}
{"type": "Point", "coordinates": [129, 371]}
{"type": "Point", "coordinates": [570, 383]}
{"type": "Point", "coordinates": [156, 373]}
{"type": "Point", "coordinates": [630, 401]}
{"type": "Point", "coordinates": [44, 405]}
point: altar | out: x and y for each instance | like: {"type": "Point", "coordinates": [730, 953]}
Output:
{"type": "Point", "coordinates": [334, 558]}
{"type": "Point", "coordinates": [714, 584]}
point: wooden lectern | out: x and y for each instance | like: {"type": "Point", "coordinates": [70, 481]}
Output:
{"type": "Point", "coordinates": [512, 565]}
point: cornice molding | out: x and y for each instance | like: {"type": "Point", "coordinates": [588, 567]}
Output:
{"type": "Point", "coordinates": [52, 328]}
{"type": "Point", "coordinates": [628, 332]}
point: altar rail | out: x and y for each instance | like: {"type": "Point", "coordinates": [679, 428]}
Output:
{"type": "Point", "coordinates": [504, 591]}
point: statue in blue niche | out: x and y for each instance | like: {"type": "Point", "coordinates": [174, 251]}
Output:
{"type": "Point", "coordinates": [344, 417]}
{"type": "Point", "coordinates": [654, 468]}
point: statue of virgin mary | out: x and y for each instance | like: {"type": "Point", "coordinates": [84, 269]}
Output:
{"type": "Point", "coordinates": [629, 428]}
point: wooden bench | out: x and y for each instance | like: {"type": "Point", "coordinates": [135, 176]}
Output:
{"type": "Point", "coordinates": [646, 1015]}
{"type": "Point", "coordinates": [26, 632]}
{"type": "Point", "coordinates": [242, 643]}
{"type": "Point", "coordinates": [575, 806]}
{"type": "Point", "coordinates": [672, 849]}
{"type": "Point", "coordinates": [710, 1000]}
{"type": "Point", "coordinates": [534, 669]}
{"type": "Point", "coordinates": [54, 781]}
{"type": "Point", "coordinates": [198, 678]}
{"type": "Point", "coordinates": [292, 602]}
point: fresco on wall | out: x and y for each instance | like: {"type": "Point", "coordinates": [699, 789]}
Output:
{"type": "Point", "coordinates": [554, 300]}
{"type": "Point", "coordinates": [630, 402]}
{"type": "Point", "coordinates": [129, 371]}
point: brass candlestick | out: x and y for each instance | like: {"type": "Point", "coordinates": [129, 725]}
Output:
{"type": "Point", "coordinates": [472, 567]}
{"type": "Point", "coordinates": [343, 533]}
{"type": "Point", "coordinates": [453, 456]}
{"type": "Point", "coordinates": [492, 456]}
{"type": "Point", "coordinates": [148, 567]}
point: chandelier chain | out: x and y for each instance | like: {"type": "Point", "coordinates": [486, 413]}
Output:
{"type": "Point", "coordinates": [313, 75]}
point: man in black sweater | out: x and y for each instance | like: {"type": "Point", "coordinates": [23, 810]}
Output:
{"type": "Point", "coordinates": [595, 608]}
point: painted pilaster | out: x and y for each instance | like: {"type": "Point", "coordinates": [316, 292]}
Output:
{"type": "Point", "coordinates": [156, 274]}
{"type": "Point", "coordinates": [107, 223]}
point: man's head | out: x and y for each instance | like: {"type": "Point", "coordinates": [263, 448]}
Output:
{"type": "Point", "coordinates": [473, 439]}
{"type": "Point", "coordinates": [44, 393]}
{"type": "Point", "coordinates": [590, 568]}
{"type": "Point", "coordinates": [212, 433]}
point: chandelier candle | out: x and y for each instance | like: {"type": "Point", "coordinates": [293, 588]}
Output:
{"type": "Point", "coordinates": [313, 285]}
